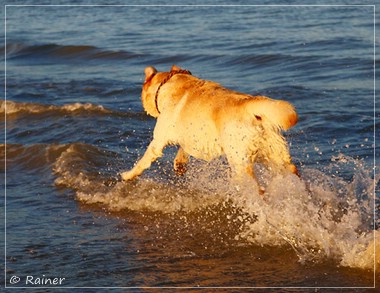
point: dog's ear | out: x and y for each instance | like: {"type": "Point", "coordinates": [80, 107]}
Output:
{"type": "Point", "coordinates": [175, 68]}
{"type": "Point", "coordinates": [150, 71]}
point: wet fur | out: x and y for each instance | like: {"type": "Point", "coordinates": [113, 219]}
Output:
{"type": "Point", "coordinates": [207, 120]}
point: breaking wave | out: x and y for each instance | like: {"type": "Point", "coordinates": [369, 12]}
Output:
{"type": "Point", "coordinates": [29, 158]}
{"type": "Point", "coordinates": [321, 216]}
{"type": "Point", "coordinates": [11, 108]}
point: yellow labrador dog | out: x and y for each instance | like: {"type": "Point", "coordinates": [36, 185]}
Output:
{"type": "Point", "coordinates": [207, 120]}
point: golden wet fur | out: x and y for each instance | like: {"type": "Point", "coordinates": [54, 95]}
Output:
{"type": "Point", "coordinates": [207, 120]}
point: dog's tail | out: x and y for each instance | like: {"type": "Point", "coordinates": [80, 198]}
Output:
{"type": "Point", "coordinates": [277, 112]}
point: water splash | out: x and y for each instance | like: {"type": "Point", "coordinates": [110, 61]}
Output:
{"type": "Point", "coordinates": [321, 215]}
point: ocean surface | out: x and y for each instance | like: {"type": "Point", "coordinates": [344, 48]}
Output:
{"type": "Point", "coordinates": [73, 120]}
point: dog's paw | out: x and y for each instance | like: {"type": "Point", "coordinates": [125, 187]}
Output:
{"type": "Point", "coordinates": [262, 191]}
{"type": "Point", "coordinates": [128, 175]}
{"type": "Point", "coordinates": [180, 168]}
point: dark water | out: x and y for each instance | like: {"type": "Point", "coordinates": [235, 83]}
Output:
{"type": "Point", "coordinates": [74, 120]}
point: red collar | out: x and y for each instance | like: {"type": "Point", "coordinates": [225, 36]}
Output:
{"type": "Point", "coordinates": [171, 74]}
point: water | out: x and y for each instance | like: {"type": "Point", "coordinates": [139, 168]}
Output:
{"type": "Point", "coordinates": [74, 121]}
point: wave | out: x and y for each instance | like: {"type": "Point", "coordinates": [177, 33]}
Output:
{"type": "Point", "coordinates": [17, 51]}
{"type": "Point", "coordinates": [11, 108]}
{"type": "Point", "coordinates": [44, 156]}
{"type": "Point", "coordinates": [94, 186]}
{"type": "Point", "coordinates": [320, 216]}
{"type": "Point", "coordinates": [29, 158]}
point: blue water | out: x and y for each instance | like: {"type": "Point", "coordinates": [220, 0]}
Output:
{"type": "Point", "coordinates": [74, 120]}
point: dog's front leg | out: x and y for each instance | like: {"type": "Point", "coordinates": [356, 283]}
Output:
{"type": "Point", "coordinates": [180, 162]}
{"type": "Point", "coordinates": [153, 152]}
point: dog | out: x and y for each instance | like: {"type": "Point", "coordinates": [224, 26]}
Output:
{"type": "Point", "coordinates": [207, 121]}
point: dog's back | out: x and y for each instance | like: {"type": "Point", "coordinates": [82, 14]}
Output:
{"type": "Point", "coordinates": [203, 95]}
{"type": "Point", "coordinates": [208, 120]}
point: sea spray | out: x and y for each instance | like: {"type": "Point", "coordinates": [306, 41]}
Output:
{"type": "Point", "coordinates": [320, 215]}
{"type": "Point", "coordinates": [314, 219]}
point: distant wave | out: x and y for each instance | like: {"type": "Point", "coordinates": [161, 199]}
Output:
{"type": "Point", "coordinates": [85, 52]}
{"type": "Point", "coordinates": [12, 108]}
{"type": "Point", "coordinates": [17, 50]}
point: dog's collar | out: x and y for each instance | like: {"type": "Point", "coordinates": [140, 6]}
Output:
{"type": "Point", "coordinates": [171, 74]}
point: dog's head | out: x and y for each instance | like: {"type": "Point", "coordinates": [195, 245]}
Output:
{"type": "Point", "coordinates": [153, 80]}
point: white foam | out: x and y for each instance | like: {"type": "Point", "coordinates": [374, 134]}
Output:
{"type": "Point", "coordinates": [12, 108]}
{"type": "Point", "coordinates": [320, 216]}
{"type": "Point", "coordinates": [317, 220]}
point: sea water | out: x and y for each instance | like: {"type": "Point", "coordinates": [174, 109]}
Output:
{"type": "Point", "coordinates": [73, 121]}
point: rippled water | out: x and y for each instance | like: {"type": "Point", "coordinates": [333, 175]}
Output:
{"type": "Point", "coordinates": [74, 120]}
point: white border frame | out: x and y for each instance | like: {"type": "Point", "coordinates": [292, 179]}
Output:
{"type": "Point", "coordinates": [6, 280]}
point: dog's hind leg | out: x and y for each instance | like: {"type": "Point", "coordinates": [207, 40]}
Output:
{"type": "Point", "coordinates": [292, 168]}
{"type": "Point", "coordinates": [180, 162]}
{"type": "Point", "coordinates": [242, 165]}
{"type": "Point", "coordinates": [250, 171]}
{"type": "Point", "coordinates": [153, 152]}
